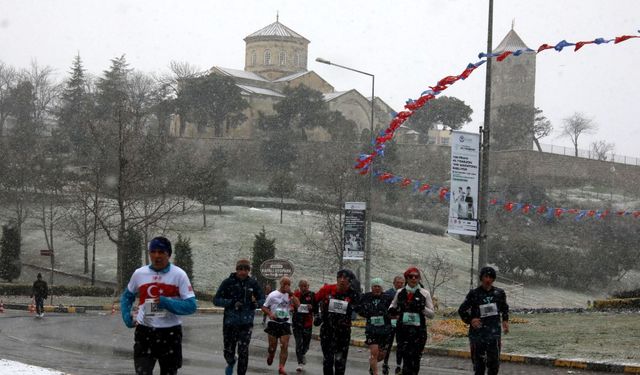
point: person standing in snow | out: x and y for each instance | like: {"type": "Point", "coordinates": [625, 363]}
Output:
{"type": "Point", "coordinates": [40, 292]}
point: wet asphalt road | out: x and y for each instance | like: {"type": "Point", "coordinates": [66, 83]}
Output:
{"type": "Point", "coordinates": [98, 343]}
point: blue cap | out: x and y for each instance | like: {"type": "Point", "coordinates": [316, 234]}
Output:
{"type": "Point", "coordinates": [160, 243]}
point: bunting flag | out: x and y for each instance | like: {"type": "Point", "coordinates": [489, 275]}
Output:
{"type": "Point", "coordinates": [364, 161]}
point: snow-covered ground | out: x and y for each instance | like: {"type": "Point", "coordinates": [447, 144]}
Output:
{"type": "Point", "coordinates": [230, 236]}
{"type": "Point", "coordinates": [16, 368]}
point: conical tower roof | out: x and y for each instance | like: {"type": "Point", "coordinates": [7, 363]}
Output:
{"type": "Point", "coordinates": [511, 42]}
{"type": "Point", "coordinates": [275, 30]}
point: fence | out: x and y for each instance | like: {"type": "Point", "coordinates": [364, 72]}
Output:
{"type": "Point", "coordinates": [587, 154]}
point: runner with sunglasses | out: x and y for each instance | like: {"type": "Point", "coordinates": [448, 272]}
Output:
{"type": "Point", "coordinates": [240, 295]}
{"type": "Point", "coordinates": [412, 306]}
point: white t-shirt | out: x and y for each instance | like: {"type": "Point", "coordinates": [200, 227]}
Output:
{"type": "Point", "coordinates": [280, 305]}
{"type": "Point", "coordinates": [149, 284]}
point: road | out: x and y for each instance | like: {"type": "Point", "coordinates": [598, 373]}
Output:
{"type": "Point", "coordinates": [98, 343]}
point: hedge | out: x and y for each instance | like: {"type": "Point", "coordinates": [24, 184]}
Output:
{"type": "Point", "coordinates": [627, 294]}
{"type": "Point", "coordinates": [57, 290]}
{"type": "Point", "coordinates": [617, 303]}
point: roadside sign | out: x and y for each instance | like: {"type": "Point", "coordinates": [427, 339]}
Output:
{"type": "Point", "coordinates": [274, 269]}
{"type": "Point", "coordinates": [46, 252]}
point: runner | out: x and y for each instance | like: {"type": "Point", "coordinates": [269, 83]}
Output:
{"type": "Point", "coordinates": [303, 321]}
{"type": "Point", "coordinates": [484, 309]}
{"type": "Point", "coordinates": [337, 303]}
{"type": "Point", "coordinates": [374, 306]}
{"type": "Point", "coordinates": [240, 295]}
{"type": "Point", "coordinates": [412, 305]}
{"type": "Point", "coordinates": [398, 283]}
{"type": "Point", "coordinates": [278, 306]}
{"type": "Point", "coordinates": [165, 292]}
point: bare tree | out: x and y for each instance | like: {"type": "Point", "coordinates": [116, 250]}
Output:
{"type": "Point", "coordinates": [438, 271]}
{"type": "Point", "coordinates": [8, 81]}
{"type": "Point", "coordinates": [541, 127]}
{"type": "Point", "coordinates": [575, 126]}
{"type": "Point", "coordinates": [602, 150]}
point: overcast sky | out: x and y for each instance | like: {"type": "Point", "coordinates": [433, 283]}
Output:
{"type": "Point", "coordinates": [408, 45]}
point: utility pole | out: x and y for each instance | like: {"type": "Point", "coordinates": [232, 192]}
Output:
{"type": "Point", "coordinates": [483, 251]}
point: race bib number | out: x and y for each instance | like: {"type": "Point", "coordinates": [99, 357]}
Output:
{"type": "Point", "coordinates": [337, 306]}
{"type": "Point", "coordinates": [394, 322]}
{"type": "Point", "coordinates": [282, 314]}
{"type": "Point", "coordinates": [303, 309]}
{"type": "Point", "coordinates": [152, 310]}
{"type": "Point", "coordinates": [489, 309]}
{"type": "Point", "coordinates": [411, 319]}
{"type": "Point", "coordinates": [377, 320]}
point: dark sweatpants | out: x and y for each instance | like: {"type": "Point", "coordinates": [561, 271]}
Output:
{"type": "Point", "coordinates": [394, 335]}
{"type": "Point", "coordinates": [411, 341]}
{"type": "Point", "coordinates": [39, 305]}
{"type": "Point", "coordinates": [485, 355]}
{"type": "Point", "coordinates": [335, 349]}
{"type": "Point", "coordinates": [237, 336]}
{"type": "Point", "coordinates": [303, 338]}
{"type": "Point", "coordinates": [157, 344]}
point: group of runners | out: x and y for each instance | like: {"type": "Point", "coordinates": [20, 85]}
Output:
{"type": "Point", "coordinates": [398, 314]}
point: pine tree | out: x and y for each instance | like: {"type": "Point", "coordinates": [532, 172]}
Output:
{"type": "Point", "coordinates": [75, 110]}
{"type": "Point", "coordinates": [10, 264]}
{"type": "Point", "coordinates": [263, 249]}
{"type": "Point", "coordinates": [183, 255]}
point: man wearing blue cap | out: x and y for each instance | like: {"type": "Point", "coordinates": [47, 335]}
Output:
{"type": "Point", "coordinates": [165, 293]}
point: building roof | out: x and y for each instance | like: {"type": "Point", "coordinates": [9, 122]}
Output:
{"type": "Point", "coordinates": [239, 73]}
{"type": "Point", "coordinates": [292, 76]}
{"type": "Point", "coordinates": [332, 95]}
{"type": "Point", "coordinates": [276, 29]}
{"type": "Point", "coordinates": [511, 42]}
{"type": "Point", "coordinates": [260, 91]}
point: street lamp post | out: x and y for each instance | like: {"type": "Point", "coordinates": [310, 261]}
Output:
{"type": "Point", "coordinates": [369, 216]}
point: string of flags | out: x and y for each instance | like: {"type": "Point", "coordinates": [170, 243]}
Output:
{"type": "Point", "coordinates": [364, 161]}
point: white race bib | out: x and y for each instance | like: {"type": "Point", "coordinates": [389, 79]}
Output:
{"type": "Point", "coordinates": [337, 306]}
{"type": "Point", "coordinates": [152, 310]}
{"type": "Point", "coordinates": [411, 319]}
{"type": "Point", "coordinates": [303, 308]}
{"type": "Point", "coordinates": [282, 313]}
{"type": "Point", "coordinates": [489, 309]}
{"type": "Point", "coordinates": [377, 320]}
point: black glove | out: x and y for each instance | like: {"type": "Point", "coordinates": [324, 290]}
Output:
{"type": "Point", "coordinates": [238, 305]}
{"type": "Point", "coordinates": [317, 320]}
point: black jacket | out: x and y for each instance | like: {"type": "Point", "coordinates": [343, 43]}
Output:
{"type": "Point", "coordinates": [372, 305]}
{"type": "Point", "coordinates": [40, 289]}
{"type": "Point", "coordinates": [490, 306]}
{"type": "Point", "coordinates": [248, 292]}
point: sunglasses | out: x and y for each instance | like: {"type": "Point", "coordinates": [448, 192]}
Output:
{"type": "Point", "coordinates": [243, 268]}
{"type": "Point", "coordinates": [413, 276]}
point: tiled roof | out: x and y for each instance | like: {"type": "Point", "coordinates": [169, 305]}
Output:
{"type": "Point", "coordinates": [260, 91]}
{"type": "Point", "coordinates": [511, 42]}
{"type": "Point", "coordinates": [278, 30]}
{"type": "Point", "coordinates": [239, 73]}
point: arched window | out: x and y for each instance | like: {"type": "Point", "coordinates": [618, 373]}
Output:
{"type": "Point", "coordinates": [283, 58]}
{"type": "Point", "coordinates": [299, 58]}
{"type": "Point", "coordinates": [254, 58]}
{"type": "Point", "coordinates": [296, 59]}
{"type": "Point", "coordinates": [267, 57]}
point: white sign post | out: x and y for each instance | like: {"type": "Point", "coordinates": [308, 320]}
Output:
{"type": "Point", "coordinates": [465, 168]}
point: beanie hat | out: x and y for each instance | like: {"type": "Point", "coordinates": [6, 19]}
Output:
{"type": "Point", "coordinates": [160, 243]}
{"type": "Point", "coordinates": [347, 273]}
{"type": "Point", "coordinates": [376, 281]}
{"type": "Point", "coordinates": [488, 271]}
{"type": "Point", "coordinates": [243, 262]}
{"type": "Point", "coordinates": [411, 270]}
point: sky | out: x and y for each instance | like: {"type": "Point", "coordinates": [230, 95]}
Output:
{"type": "Point", "coordinates": [408, 45]}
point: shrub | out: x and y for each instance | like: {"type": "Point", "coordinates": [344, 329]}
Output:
{"type": "Point", "coordinates": [617, 303]}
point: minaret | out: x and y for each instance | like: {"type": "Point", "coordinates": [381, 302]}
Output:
{"type": "Point", "coordinates": [275, 51]}
{"type": "Point", "coordinates": [513, 83]}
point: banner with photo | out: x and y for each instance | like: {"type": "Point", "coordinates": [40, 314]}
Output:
{"type": "Point", "coordinates": [354, 230]}
{"type": "Point", "coordinates": [465, 171]}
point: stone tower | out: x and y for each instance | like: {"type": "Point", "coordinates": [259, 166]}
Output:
{"type": "Point", "coordinates": [275, 51]}
{"type": "Point", "coordinates": [513, 83]}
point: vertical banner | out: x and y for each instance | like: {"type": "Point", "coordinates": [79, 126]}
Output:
{"type": "Point", "coordinates": [465, 168]}
{"type": "Point", "coordinates": [354, 230]}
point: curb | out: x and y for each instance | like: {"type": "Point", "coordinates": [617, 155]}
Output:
{"type": "Point", "coordinates": [49, 308]}
{"type": "Point", "coordinates": [524, 359]}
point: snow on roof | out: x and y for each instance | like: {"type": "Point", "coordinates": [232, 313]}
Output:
{"type": "Point", "coordinates": [276, 29]}
{"type": "Point", "coordinates": [260, 91]}
{"type": "Point", "coordinates": [291, 77]}
{"type": "Point", "coordinates": [239, 73]}
{"type": "Point", "coordinates": [511, 42]}
{"type": "Point", "coordinates": [332, 95]}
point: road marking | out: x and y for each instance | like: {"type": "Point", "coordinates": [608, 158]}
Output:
{"type": "Point", "coordinates": [61, 349]}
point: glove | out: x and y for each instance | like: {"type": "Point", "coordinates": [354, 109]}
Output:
{"type": "Point", "coordinates": [317, 320]}
{"type": "Point", "coordinates": [238, 305]}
